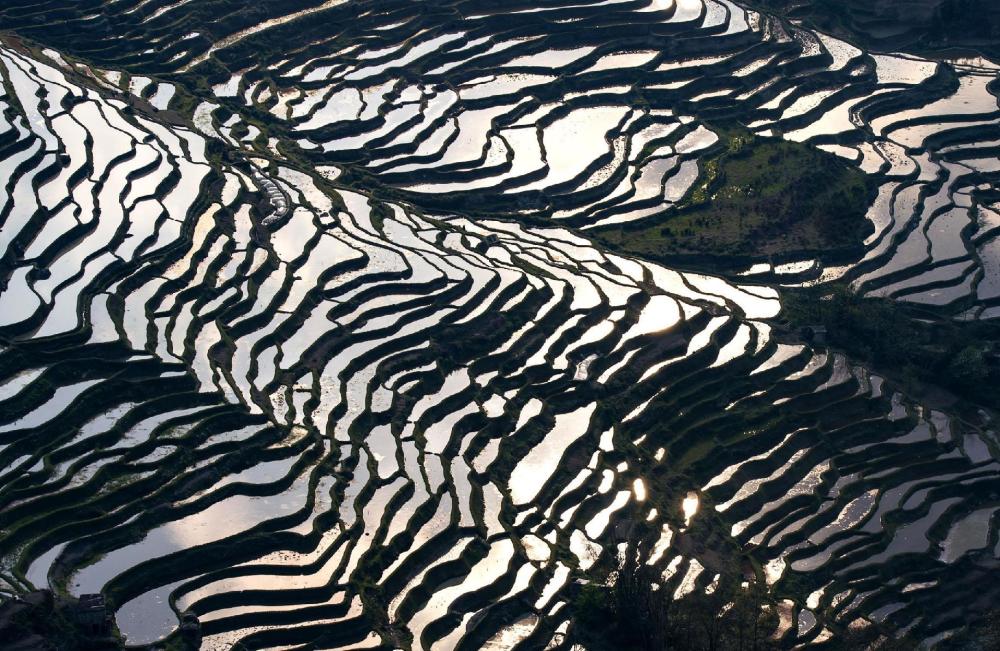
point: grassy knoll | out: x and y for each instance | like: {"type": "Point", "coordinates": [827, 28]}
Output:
{"type": "Point", "coordinates": [754, 199]}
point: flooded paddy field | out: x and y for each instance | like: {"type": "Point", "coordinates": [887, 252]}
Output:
{"type": "Point", "coordinates": [305, 330]}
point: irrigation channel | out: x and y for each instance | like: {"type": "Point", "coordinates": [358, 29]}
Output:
{"type": "Point", "coordinates": [303, 331]}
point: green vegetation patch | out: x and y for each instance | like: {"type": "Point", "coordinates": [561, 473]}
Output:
{"type": "Point", "coordinates": [758, 198]}
{"type": "Point", "coordinates": [925, 27]}
{"type": "Point", "coordinates": [914, 348]}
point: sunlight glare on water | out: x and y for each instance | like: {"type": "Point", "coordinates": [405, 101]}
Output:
{"type": "Point", "coordinates": [690, 507]}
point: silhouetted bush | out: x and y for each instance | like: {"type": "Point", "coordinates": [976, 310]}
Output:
{"type": "Point", "coordinates": [636, 613]}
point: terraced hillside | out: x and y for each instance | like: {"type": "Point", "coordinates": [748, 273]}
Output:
{"type": "Point", "coordinates": [304, 331]}
{"type": "Point", "coordinates": [933, 25]}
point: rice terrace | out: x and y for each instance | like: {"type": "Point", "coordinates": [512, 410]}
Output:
{"type": "Point", "coordinates": [463, 324]}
